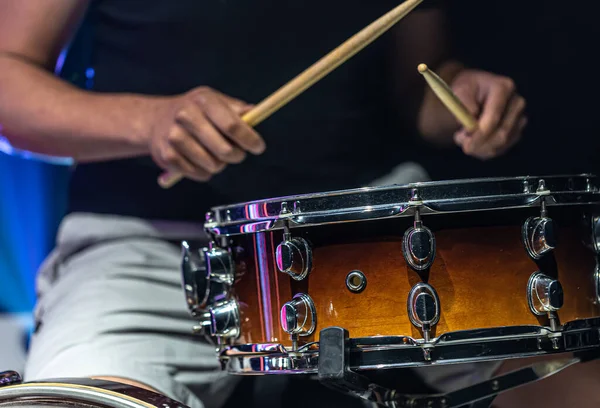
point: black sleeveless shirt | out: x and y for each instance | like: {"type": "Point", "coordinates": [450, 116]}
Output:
{"type": "Point", "coordinates": [339, 134]}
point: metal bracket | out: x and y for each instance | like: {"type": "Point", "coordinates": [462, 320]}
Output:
{"type": "Point", "coordinates": [334, 372]}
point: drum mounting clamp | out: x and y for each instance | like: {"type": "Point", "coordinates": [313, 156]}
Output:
{"type": "Point", "coordinates": [334, 372]}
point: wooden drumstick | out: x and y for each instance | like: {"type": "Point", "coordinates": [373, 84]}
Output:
{"type": "Point", "coordinates": [315, 73]}
{"type": "Point", "coordinates": [448, 98]}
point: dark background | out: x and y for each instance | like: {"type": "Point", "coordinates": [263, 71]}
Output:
{"type": "Point", "coordinates": [550, 49]}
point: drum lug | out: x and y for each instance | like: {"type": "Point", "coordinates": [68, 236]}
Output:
{"type": "Point", "coordinates": [539, 236]}
{"type": "Point", "coordinates": [544, 294]}
{"type": "Point", "coordinates": [294, 256]}
{"type": "Point", "coordinates": [539, 233]}
{"type": "Point", "coordinates": [423, 308]}
{"type": "Point", "coordinates": [597, 282]}
{"type": "Point", "coordinates": [418, 245]}
{"type": "Point", "coordinates": [225, 320]}
{"type": "Point", "coordinates": [595, 225]}
{"type": "Point", "coordinates": [207, 278]}
{"type": "Point", "coordinates": [299, 317]}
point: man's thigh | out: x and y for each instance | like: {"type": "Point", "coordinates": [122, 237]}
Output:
{"type": "Point", "coordinates": [116, 309]}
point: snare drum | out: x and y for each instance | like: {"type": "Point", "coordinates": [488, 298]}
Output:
{"type": "Point", "coordinates": [421, 274]}
{"type": "Point", "coordinates": [77, 393]}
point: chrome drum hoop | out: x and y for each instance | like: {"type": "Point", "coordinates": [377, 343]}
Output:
{"type": "Point", "coordinates": [84, 393]}
{"type": "Point", "coordinates": [390, 352]}
{"type": "Point", "coordinates": [373, 203]}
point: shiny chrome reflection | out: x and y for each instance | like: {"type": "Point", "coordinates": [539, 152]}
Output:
{"type": "Point", "coordinates": [539, 236]}
{"type": "Point", "coordinates": [225, 319]}
{"type": "Point", "coordinates": [387, 352]}
{"type": "Point", "coordinates": [544, 294]}
{"type": "Point", "coordinates": [418, 247]}
{"type": "Point", "coordinates": [299, 316]}
{"type": "Point", "coordinates": [597, 282]}
{"type": "Point", "coordinates": [294, 257]}
{"type": "Point", "coordinates": [423, 309]}
{"type": "Point", "coordinates": [206, 278]}
{"type": "Point", "coordinates": [356, 281]}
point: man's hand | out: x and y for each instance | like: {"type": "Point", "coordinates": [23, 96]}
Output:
{"type": "Point", "coordinates": [491, 98]}
{"type": "Point", "coordinates": [200, 132]}
{"type": "Point", "coordinates": [500, 110]}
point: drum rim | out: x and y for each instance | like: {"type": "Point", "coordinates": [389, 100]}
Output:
{"type": "Point", "coordinates": [83, 393]}
{"type": "Point", "coordinates": [464, 348]}
{"type": "Point", "coordinates": [370, 203]}
{"type": "Point", "coordinates": [92, 392]}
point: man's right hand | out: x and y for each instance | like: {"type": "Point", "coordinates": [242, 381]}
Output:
{"type": "Point", "coordinates": [199, 133]}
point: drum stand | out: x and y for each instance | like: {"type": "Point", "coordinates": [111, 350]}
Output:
{"type": "Point", "coordinates": [334, 372]}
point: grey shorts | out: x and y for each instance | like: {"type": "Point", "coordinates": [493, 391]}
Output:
{"type": "Point", "coordinates": [110, 303]}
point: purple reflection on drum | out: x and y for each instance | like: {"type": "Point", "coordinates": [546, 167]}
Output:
{"type": "Point", "coordinates": [255, 211]}
{"type": "Point", "coordinates": [262, 266]}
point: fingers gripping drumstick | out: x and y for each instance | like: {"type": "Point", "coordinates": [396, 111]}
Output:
{"type": "Point", "coordinates": [448, 98]}
{"type": "Point", "coordinates": [316, 72]}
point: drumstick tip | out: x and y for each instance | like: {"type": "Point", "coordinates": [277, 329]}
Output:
{"type": "Point", "coordinates": [422, 68]}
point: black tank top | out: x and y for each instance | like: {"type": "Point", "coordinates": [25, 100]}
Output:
{"type": "Point", "coordinates": [339, 134]}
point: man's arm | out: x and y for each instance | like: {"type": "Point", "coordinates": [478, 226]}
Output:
{"type": "Point", "coordinates": [40, 112]}
{"type": "Point", "coordinates": [196, 133]}
{"type": "Point", "coordinates": [424, 37]}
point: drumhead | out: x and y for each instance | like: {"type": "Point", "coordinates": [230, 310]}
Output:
{"type": "Point", "coordinates": [438, 197]}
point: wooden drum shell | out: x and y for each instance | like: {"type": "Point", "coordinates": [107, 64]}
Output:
{"type": "Point", "coordinates": [480, 273]}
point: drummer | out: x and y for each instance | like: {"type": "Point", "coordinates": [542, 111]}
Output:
{"type": "Point", "coordinates": [152, 85]}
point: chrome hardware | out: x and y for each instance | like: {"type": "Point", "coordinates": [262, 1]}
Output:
{"type": "Point", "coordinates": [595, 224]}
{"type": "Point", "coordinates": [203, 326]}
{"type": "Point", "coordinates": [356, 281]}
{"type": "Point", "coordinates": [219, 265]}
{"type": "Point", "coordinates": [539, 236]}
{"type": "Point", "coordinates": [209, 217]}
{"type": "Point", "coordinates": [386, 202]}
{"type": "Point", "coordinates": [544, 294]}
{"type": "Point", "coordinates": [418, 245]}
{"type": "Point", "coordinates": [225, 319]}
{"type": "Point", "coordinates": [298, 317]}
{"type": "Point", "coordinates": [542, 187]}
{"type": "Point", "coordinates": [423, 308]}
{"type": "Point", "coordinates": [394, 352]}
{"type": "Point", "coordinates": [9, 378]}
{"type": "Point", "coordinates": [294, 257]}
{"type": "Point", "coordinates": [415, 198]}
{"type": "Point", "coordinates": [597, 283]}
{"type": "Point", "coordinates": [206, 279]}
{"type": "Point", "coordinates": [284, 209]}
{"type": "Point", "coordinates": [195, 277]}
{"type": "Point", "coordinates": [589, 187]}
{"type": "Point", "coordinates": [336, 356]}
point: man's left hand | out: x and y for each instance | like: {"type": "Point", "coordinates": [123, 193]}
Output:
{"type": "Point", "coordinates": [499, 109]}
